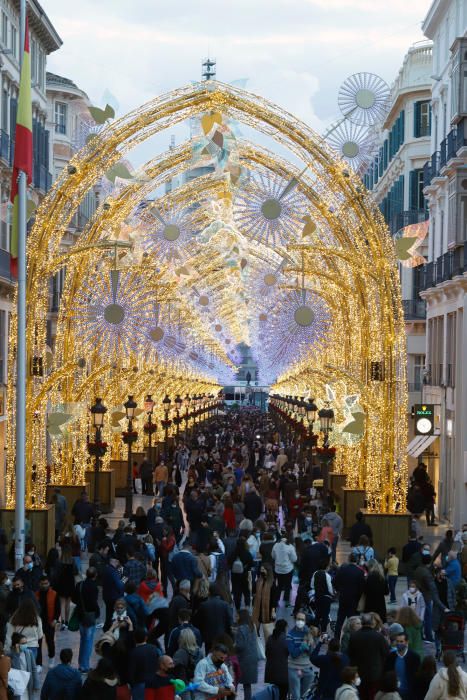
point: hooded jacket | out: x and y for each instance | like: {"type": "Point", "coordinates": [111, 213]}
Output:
{"type": "Point", "coordinates": [58, 678]}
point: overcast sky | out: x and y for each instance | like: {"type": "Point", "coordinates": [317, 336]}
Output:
{"type": "Point", "coordinates": [294, 52]}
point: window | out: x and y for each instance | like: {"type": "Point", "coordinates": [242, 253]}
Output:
{"type": "Point", "coordinates": [41, 70]}
{"type": "Point", "coordinates": [60, 117]}
{"type": "Point", "coordinates": [14, 41]}
{"type": "Point", "coordinates": [418, 369]}
{"type": "Point", "coordinates": [422, 119]}
{"type": "Point", "coordinates": [4, 30]}
{"type": "Point", "coordinates": [416, 198]}
{"type": "Point", "coordinates": [5, 110]}
{"type": "Point", "coordinates": [33, 61]}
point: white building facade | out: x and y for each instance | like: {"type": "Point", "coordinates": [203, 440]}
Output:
{"type": "Point", "coordinates": [396, 179]}
{"type": "Point", "coordinates": [444, 280]}
{"type": "Point", "coordinates": [43, 41]}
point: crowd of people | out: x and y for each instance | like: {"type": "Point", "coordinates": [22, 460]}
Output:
{"type": "Point", "coordinates": [233, 563]}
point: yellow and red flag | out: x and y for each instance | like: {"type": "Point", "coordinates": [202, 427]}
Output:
{"type": "Point", "coordinates": [23, 148]}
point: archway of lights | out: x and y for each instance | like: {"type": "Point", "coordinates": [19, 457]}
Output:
{"type": "Point", "coordinates": [285, 253]}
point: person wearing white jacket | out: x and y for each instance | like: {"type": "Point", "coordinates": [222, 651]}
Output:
{"type": "Point", "coordinates": [450, 683]}
{"type": "Point", "coordinates": [284, 557]}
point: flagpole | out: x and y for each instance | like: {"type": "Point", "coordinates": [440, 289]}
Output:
{"type": "Point", "coordinates": [21, 348]}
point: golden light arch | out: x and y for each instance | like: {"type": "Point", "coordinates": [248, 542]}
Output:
{"type": "Point", "coordinates": [356, 273]}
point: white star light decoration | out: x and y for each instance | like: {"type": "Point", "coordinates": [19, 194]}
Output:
{"type": "Point", "coordinates": [113, 311]}
{"type": "Point", "coordinates": [168, 234]}
{"type": "Point", "coordinates": [267, 211]}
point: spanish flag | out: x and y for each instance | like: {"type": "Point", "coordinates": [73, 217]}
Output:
{"type": "Point", "coordinates": [23, 148]}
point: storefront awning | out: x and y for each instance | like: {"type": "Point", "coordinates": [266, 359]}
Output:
{"type": "Point", "coordinates": [420, 443]}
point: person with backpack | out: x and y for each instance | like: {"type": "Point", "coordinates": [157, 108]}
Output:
{"type": "Point", "coordinates": [363, 551]}
{"type": "Point", "coordinates": [187, 656]}
{"type": "Point", "coordinates": [322, 592]}
{"type": "Point", "coordinates": [184, 619]}
{"type": "Point", "coordinates": [241, 561]}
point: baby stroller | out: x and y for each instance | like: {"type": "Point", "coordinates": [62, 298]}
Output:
{"type": "Point", "coordinates": [451, 634]}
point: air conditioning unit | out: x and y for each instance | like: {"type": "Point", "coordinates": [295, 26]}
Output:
{"type": "Point", "coordinates": [459, 80]}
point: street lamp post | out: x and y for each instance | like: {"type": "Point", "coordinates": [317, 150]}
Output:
{"type": "Point", "coordinates": [178, 419]}
{"type": "Point", "coordinates": [149, 427]}
{"type": "Point", "coordinates": [326, 420]}
{"type": "Point", "coordinates": [129, 437]}
{"type": "Point", "coordinates": [186, 402]}
{"type": "Point", "coordinates": [166, 423]}
{"type": "Point", "coordinates": [98, 448]}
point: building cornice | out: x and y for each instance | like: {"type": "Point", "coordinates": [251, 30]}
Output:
{"type": "Point", "coordinates": [431, 21]}
{"type": "Point", "coordinates": [40, 24]}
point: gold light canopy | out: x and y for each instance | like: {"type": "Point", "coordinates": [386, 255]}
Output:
{"type": "Point", "coordinates": [288, 254]}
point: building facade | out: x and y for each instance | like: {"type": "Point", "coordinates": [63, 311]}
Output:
{"type": "Point", "coordinates": [443, 283]}
{"type": "Point", "coordinates": [43, 41]}
{"type": "Point", "coordinates": [69, 122]}
{"type": "Point", "coordinates": [396, 179]}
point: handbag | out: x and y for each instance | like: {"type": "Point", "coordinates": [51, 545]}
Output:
{"type": "Point", "coordinates": [268, 628]}
{"type": "Point", "coordinates": [18, 680]}
{"type": "Point", "coordinates": [10, 693]}
{"type": "Point", "coordinates": [260, 649]}
{"type": "Point", "coordinates": [73, 622]}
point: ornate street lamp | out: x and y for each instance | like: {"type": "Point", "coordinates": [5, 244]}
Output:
{"type": "Point", "coordinates": [326, 422]}
{"type": "Point", "coordinates": [149, 427]}
{"type": "Point", "coordinates": [186, 403]}
{"type": "Point", "coordinates": [98, 448]}
{"type": "Point", "coordinates": [129, 437]}
{"type": "Point", "coordinates": [166, 423]}
{"type": "Point", "coordinates": [177, 420]}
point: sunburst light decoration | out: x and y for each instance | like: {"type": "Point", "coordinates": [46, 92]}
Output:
{"type": "Point", "coordinates": [168, 233]}
{"type": "Point", "coordinates": [267, 211]}
{"type": "Point", "coordinates": [296, 326]}
{"type": "Point", "coordinates": [353, 143]}
{"type": "Point", "coordinates": [113, 310]}
{"type": "Point", "coordinates": [166, 335]}
{"type": "Point", "coordinates": [364, 99]}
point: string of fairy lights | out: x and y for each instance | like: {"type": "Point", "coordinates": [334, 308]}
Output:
{"type": "Point", "coordinates": [294, 261]}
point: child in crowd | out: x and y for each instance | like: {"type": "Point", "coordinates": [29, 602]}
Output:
{"type": "Point", "coordinates": [412, 598]}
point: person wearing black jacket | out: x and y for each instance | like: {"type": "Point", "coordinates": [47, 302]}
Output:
{"type": "Point", "coordinates": [240, 562]}
{"type": "Point", "coordinates": [87, 608]}
{"type": "Point", "coordinates": [330, 667]}
{"type": "Point", "coordinates": [213, 617]}
{"type": "Point", "coordinates": [350, 584]}
{"type": "Point", "coordinates": [358, 529]}
{"type": "Point", "coordinates": [277, 653]}
{"type": "Point", "coordinates": [315, 556]}
{"type": "Point", "coordinates": [253, 506]}
{"type": "Point", "coordinates": [16, 596]}
{"type": "Point", "coordinates": [368, 650]}
{"type": "Point", "coordinates": [142, 662]}
{"type": "Point", "coordinates": [405, 663]}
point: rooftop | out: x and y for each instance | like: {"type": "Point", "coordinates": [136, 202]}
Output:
{"type": "Point", "coordinates": [41, 25]}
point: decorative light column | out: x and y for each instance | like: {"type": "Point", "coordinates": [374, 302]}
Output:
{"type": "Point", "coordinates": [149, 427]}
{"type": "Point", "coordinates": [129, 437]}
{"type": "Point", "coordinates": [177, 419]}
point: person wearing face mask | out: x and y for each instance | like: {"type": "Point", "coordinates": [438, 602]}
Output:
{"type": "Point", "coordinates": [412, 598]}
{"type": "Point", "coordinates": [213, 676]}
{"type": "Point", "coordinates": [284, 556]}
{"type": "Point", "coordinates": [23, 660]}
{"type": "Point", "coordinates": [299, 644]}
{"type": "Point", "coordinates": [405, 663]}
{"type": "Point", "coordinates": [30, 573]}
{"type": "Point", "coordinates": [27, 621]}
{"type": "Point", "coordinates": [49, 605]}
{"type": "Point", "coordinates": [350, 683]}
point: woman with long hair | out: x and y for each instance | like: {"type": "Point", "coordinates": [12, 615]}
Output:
{"type": "Point", "coordinates": [25, 620]}
{"type": "Point", "coordinates": [65, 582]}
{"type": "Point", "coordinates": [276, 669]}
{"type": "Point", "coordinates": [264, 604]}
{"type": "Point", "coordinates": [246, 646]}
{"type": "Point", "coordinates": [389, 685]}
{"type": "Point", "coordinates": [187, 656]}
{"type": "Point", "coordinates": [413, 626]}
{"type": "Point", "coordinates": [450, 683]}
{"type": "Point", "coordinates": [375, 589]}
